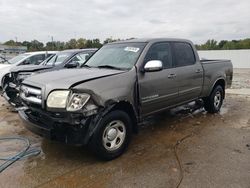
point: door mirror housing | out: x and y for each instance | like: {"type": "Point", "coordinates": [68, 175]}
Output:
{"type": "Point", "coordinates": [25, 62]}
{"type": "Point", "coordinates": [39, 62]}
{"type": "Point", "coordinates": [72, 64]}
{"type": "Point", "coordinates": [153, 65]}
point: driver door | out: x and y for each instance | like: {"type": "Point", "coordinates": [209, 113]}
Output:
{"type": "Point", "coordinates": [158, 90]}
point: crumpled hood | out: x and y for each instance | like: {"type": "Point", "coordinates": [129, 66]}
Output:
{"type": "Point", "coordinates": [65, 78]}
{"type": "Point", "coordinates": [29, 68]}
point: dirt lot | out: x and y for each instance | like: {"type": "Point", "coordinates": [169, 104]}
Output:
{"type": "Point", "coordinates": [217, 153]}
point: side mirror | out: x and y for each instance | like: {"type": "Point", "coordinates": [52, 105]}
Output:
{"type": "Point", "coordinates": [26, 62]}
{"type": "Point", "coordinates": [153, 65]}
{"type": "Point", "coordinates": [72, 64]}
{"type": "Point", "coordinates": [39, 61]}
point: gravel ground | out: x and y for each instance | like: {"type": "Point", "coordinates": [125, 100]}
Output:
{"type": "Point", "coordinates": [216, 154]}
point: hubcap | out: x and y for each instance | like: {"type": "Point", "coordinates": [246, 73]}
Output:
{"type": "Point", "coordinates": [114, 135]}
{"type": "Point", "coordinates": [217, 99]}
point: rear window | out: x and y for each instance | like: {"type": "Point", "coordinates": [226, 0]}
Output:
{"type": "Point", "coordinates": [184, 54]}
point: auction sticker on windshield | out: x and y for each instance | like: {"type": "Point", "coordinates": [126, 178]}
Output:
{"type": "Point", "coordinates": [131, 49]}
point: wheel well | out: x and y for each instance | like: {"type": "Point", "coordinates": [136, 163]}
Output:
{"type": "Point", "coordinates": [222, 83]}
{"type": "Point", "coordinates": [128, 108]}
{"type": "Point", "coordinates": [4, 80]}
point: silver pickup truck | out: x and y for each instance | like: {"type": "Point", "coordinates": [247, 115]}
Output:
{"type": "Point", "coordinates": [105, 101]}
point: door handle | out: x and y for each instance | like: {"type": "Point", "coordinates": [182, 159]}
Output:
{"type": "Point", "coordinates": [198, 71]}
{"type": "Point", "coordinates": [171, 75]}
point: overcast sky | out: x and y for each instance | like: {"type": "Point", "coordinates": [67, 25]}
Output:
{"type": "Point", "coordinates": [197, 20]}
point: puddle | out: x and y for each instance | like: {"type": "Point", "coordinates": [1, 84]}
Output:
{"type": "Point", "coordinates": [223, 110]}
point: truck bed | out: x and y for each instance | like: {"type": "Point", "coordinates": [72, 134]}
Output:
{"type": "Point", "coordinates": [215, 69]}
{"type": "Point", "coordinates": [214, 60]}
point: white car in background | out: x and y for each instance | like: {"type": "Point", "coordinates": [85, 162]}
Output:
{"type": "Point", "coordinates": [30, 58]}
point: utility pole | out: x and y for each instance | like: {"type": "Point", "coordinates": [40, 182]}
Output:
{"type": "Point", "coordinates": [52, 40]}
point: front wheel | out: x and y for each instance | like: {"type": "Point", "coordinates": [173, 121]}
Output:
{"type": "Point", "coordinates": [112, 136]}
{"type": "Point", "coordinates": [213, 103]}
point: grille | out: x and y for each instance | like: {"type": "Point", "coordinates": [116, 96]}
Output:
{"type": "Point", "coordinates": [31, 94]}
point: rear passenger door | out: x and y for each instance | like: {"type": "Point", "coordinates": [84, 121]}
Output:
{"type": "Point", "coordinates": [158, 90]}
{"type": "Point", "coordinates": [188, 70]}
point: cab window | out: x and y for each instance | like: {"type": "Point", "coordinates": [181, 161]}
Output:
{"type": "Point", "coordinates": [184, 54]}
{"type": "Point", "coordinates": [80, 58]}
{"type": "Point", "coordinates": [49, 55]}
{"type": "Point", "coordinates": [160, 51]}
{"type": "Point", "coordinates": [34, 60]}
{"type": "Point", "coordinates": [37, 59]}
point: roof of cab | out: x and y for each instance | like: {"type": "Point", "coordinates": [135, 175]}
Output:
{"type": "Point", "coordinates": [147, 40]}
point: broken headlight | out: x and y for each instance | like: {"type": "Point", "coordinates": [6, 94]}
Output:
{"type": "Point", "coordinates": [72, 102]}
{"type": "Point", "coordinates": [58, 99]}
{"type": "Point", "coordinates": [77, 101]}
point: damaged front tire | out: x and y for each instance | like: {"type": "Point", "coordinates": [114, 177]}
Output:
{"type": "Point", "coordinates": [112, 135]}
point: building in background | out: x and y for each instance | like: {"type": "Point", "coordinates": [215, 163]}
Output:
{"type": "Point", "coordinates": [239, 58]}
{"type": "Point", "coordinates": [11, 51]}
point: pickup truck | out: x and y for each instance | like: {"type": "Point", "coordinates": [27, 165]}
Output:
{"type": "Point", "coordinates": [104, 102]}
{"type": "Point", "coordinates": [65, 59]}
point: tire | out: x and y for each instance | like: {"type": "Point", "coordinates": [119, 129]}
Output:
{"type": "Point", "coordinates": [112, 136]}
{"type": "Point", "coordinates": [213, 103]}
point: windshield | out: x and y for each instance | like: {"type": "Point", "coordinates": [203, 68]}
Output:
{"type": "Point", "coordinates": [58, 58]}
{"type": "Point", "coordinates": [121, 56]}
{"type": "Point", "coordinates": [18, 58]}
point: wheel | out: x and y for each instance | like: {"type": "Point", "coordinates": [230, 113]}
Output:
{"type": "Point", "coordinates": [213, 103]}
{"type": "Point", "coordinates": [112, 136]}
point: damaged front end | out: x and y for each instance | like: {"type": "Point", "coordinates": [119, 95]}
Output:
{"type": "Point", "coordinates": [11, 87]}
{"type": "Point", "coordinates": [67, 116]}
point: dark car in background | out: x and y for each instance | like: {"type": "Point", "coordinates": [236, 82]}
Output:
{"type": "Point", "coordinates": [65, 59]}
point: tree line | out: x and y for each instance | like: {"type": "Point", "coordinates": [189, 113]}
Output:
{"type": "Point", "coordinates": [36, 45]}
{"type": "Point", "coordinates": [225, 45]}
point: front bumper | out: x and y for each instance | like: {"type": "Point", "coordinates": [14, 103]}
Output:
{"type": "Point", "coordinates": [62, 129]}
{"type": "Point", "coordinates": [43, 131]}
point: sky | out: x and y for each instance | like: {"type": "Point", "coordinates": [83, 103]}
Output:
{"type": "Point", "coordinates": [197, 20]}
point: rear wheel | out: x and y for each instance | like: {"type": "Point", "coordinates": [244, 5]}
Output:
{"type": "Point", "coordinates": [112, 135]}
{"type": "Point", "coordinates": [213, 103]}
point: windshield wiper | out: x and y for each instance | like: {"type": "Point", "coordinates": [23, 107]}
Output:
{"type": "Point", "coordinates": [110, 67]}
